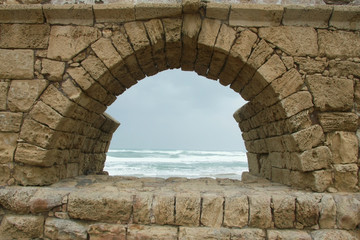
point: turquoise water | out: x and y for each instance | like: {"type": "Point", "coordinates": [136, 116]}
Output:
{"type": "Point", "coordinates": [176, 163]}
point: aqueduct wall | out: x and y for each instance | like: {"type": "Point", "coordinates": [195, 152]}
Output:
{"type": "Point", "coordinates": [298, 66]}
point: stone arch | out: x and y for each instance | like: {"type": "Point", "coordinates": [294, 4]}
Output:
{"type": "Point", "coordinates": [288, 125]}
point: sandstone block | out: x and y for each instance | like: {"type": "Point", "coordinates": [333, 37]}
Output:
{"type": "Point", "coordinates": [327, 212]}
{"type": "Point", "coordinates": [310, 65]}
{"type": "Point", "coordinates": [206, 42]}
{"type": "Point", "coordinates": [21, 227]}
{"type": "Point", "coordinates": [172, 29]}
{"type": "Point", "coordinates": [331, 94]}
{"type": "Point", "coordinates": [310, 160]}
{"type": "Point", "coordinates": [347, 212]}
{"type": "Point", "coordinates": [110, 125]}
{"type": "Point", "coordinates": [344, 68]}
{"type": "Point", "coordinates": [191, 6]}
{"type": "Point", "coordinates": [119, 13]}
{"type": "Point", "coordinates": [249, 15]}
{"type": "Point", "coordinates": [298, 122]}
{"type": "Point", "coordinates": [236, 211]}
{"type": "Point", "coordinates": [280, 175]}
{"type": "Point", "coordinates": [151, 232]}
{"type": "Point", "coordinates": [190, 32]}
{"type": "Point", "coordinates": [23, 93]}
{"type": "Point", "coordinates": [10, 122]}
{"type": "Point", "coordinates": [21, 14]}
{"type": "Point", "coordinates": [346, 178]}
{"type": "Point", "coordinates": [288, 234]}
{"type": "Point", "coordinates": [309, 16]}
{"type": "Point", "coordinates": [304, 139]}
{"type": "Point", "coordinates": [3, 95]}
{"type": "Point", "coordinates": [307, 210]}
{"type": "Point", "coordinates": [16, 64]}
{"type": "Point", "coordinates": [163, 209]}
{"type": "Point", "coordinates": [46, 115]}
{"type": "Point", "coordinates": [58, 101]}
{"type": "Point", "coordinates": [5, 173]}
{"type": "Point", "coordinates": [142, 208]}
{"type": "Point", "coordinates": [284, 211]}
{"type": "Point", "coordinates": [99, 231]}
{"type": "Point", "coordinates": [24, 36]}
{"type": "Point", "coordinates": [107, 53]}
{"type": "Point", "coordinates": [253, 162]}
{"type": "Point", "coordinates": [69, 14]}
{"type": "Point", "coordinates": [345, 18]}
{"type": "Point", "coordinates": [318, 181]}
{"type": "Point", "coordinates": [332, 234]}
{"type": "Point", "coordinates": [100, 206]}
{"type": "Point", "coordinates": [8, 143]}
{"type": "Point", "coordinates": [212, 211]}
{"type": "Point", "coordinates": [295, 41]}
{"type": "Point", "coordinates": [35, 176]}
{"type": "Point", "coordinates": [187, 233]}
{"type": "Point", "coordinates": [157, 10]}
{"type": "Point", "coordinates": [339, 44]}
{"type": "Point", "coordinates": [338, 121]}
{"type": "Point", "coordinates": [64, 229]}
{"type": "Point", "coordinates": [343, 146]}
{"type": "Point", "coordinates": [52, 70]}
{"type": "Point", "coordinates": [217, 10]}
{"type": "Point", "coordinates": [67, 41]}
{"type": "Point", "coordinates": [45, 199]}
{"type": "Point", "coordinates": [249, 233]}
{"type": "Point", "coordinates": [260, 211]}
{"type": "Point", "coordinates": [187, 210]}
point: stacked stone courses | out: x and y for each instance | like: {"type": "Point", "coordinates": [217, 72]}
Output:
{"type": "Point", "coordinates": [298, 66]}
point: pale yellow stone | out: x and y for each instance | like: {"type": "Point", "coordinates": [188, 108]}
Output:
{"type": "Point", "coordinates": [327, 212]}
{"type": "Point", "coordinates": [146, 10]}
{"type": "Point", "coordinates": [346, 178]}
{"type": "Point", "coordinates": [67, 41]}
{"type": "Point", "coordinates": [187, 210]}
{"type": "Point", "coordinates": [260, 211]}
{"type": "Point", "coordinates": [21, 227]}
{"type": "Point", "coordinates": [338, 121]}
{"type": "Point", "coordinates": [17, 64]}
{"type": "Point", "coordinates": [64, 229]}
{"type": "Point", "coordinates": [347, 213]}
{"type": "Point", "coordinates": [163, 209]}
{"type": "Point", "coordinates": [310, 160]}
{"type": "Point", "coordinates": [135, 232]}
{"type": "Point", "coordinates": [307, 210]}
{"type": "Point", "coordinates": [310, 65]}
{"type": "Point", "coordinates": [31, 175]}
{"type": "Point", "coordinates": [99, 231]}
{"type": "Point", "coordinates": [217, 10]}
{"type": "Point", "coordinates": [142, 208]}
{"type": "Point", "coordinates": [309, 16]}
{"type": "Point", "coordinates": [332, 234]}
{"type": "Point", "coordinates": [77, 14]}
{"type": "Point", "coordinates": [212, 210]}
{"type": "Point", "coordinates": [343, 146]}
{"type": "Point", "coordinates": [305, 139]}
{"type": "Point", "coordinates": [236, 211]}
{"type": "Point", "coordinates": [344, 17]}
{"type": "Point", "coordinates": [10, 121]}
{"type": "Point", "coordinates": [187, 233]}
{"type": "Point", "coordinates": [114, 13]}
{"type": "Point", "coordinates": [288, 235]}
{"type": "Point", "coordinates": [52, 70]}
{"type": "Point", "coordinates": [341, 44]}
{"type": "Point", "coordinates": [7, 146]}
{"type": "Point", "coordinates": [248, 233]}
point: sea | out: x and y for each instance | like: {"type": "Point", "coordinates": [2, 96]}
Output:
{"type": "Point", "coordinates": [176, 163]}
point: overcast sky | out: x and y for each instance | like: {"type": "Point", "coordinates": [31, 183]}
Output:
{"type": "Point", "coordinates": [177, 110]}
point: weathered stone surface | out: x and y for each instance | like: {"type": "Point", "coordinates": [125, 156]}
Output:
{"type": "Point", "coordinates": [332, 234]}
{"type": "Point", "coordinates": [309, 16]}
{"type": "Point", "coordinates": [187, 233]}
{"type": "Point", "coordinates": [7, 146]}
{"type": "Point", "coordinates": [310, 160]}
{"type": "Point", "coordinates": [304, 139]}
{"type": "Point", "coordinates": [35, 176]}
{"type": "Point", "coordinates": [21, 227]}
{"type": "Point", "coordinates": [5, 173]}
{"type": "Point", "coordinates": [338, 121]}
{"type": "Point", "coordinates": [100, 231]}
{"type": "Point", "coordinates": [45, 199]}
{"type": "Point", "coordinates": [46, 115]}
{"type": "Point", "coordinates": [3, 95]}
{"type": "Point", "coordinates": [339, 44]}
{"type": "Point", "coordinates": [24, 36]}
{"type": "Point", "coordinates": [146, 10]}
{"type": "Point", "coordinates": [250, 15]}
{"type": "Point", "coordinates": [190, 31]}
{"type": "Point", "coordinates": [17, 199]}
{"type": "Point", "coordinates": [52, 70]}
{"type": "Point", "coordinates": [296, 41]}
{"type": "Point", "coordinates": [76, 14]}
{"type": "Point", "coordinates": [64, 229]}
{"type": "Point", "coordinates": [217, 10]}
{"type": "Point", "coordinates": [288, 235]}
{"type": "Point", "coordinates": [310, 65]}
{"type": "Point", "coordinates": [142, 208]}
{"type": "Point", "coordinates": [344, 68]}
{"type": "Point", "coordinates": [23, 93]}
{"type": "Point", "coordinates": [347, 211]}
{"type": "Point", "coordinates": [307, 210]}
{"type": "Point", "coordinates": [163, 209]}
{"type": "Point", "coordinates": [212, 211]}
{"type": "Point", "coordinates": [283, 211]}
{"type": "Point", "coordinates": [346, 178]}
{"type": "Point", "coordinates": [327, 212]}
{"type": "Point", "coordinates": [21, 14]}
{"type": "Point", "coordinates": [296, 103]}
{"type": "Point", "coordinates": [151, 232]}
{"type": "Point", "coordinates": [187, 210]}
{"type": "Point", "coordinates": [16, 64]}
{"type": "Point", "coordinates": [114, 13]}
{"type": "Point", "coordinates": [260, 211]}
{"type": "Point", "coordinates": [67, 41]}
{"type": "Point", "coordinates": [345, 18]}
{"type": "Point", "coordinates": [172, 29]}
{"type": "Point", "coordinates": [331, 94]}
{"type": "Point", "coordinates": [343, 146]}
{"type": "Point", "coordinates": [248, 233]}
{"type": "Point", "coordinates": [10, 122]}
{"type": "Point", "coordinates": [110, 206]}
{"type": "Point", "coordinates": [236, 211]}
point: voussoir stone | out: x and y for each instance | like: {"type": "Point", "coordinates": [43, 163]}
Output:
{"type": "Point", "coordinates": [67, 41]}
{"type": "Point", "coordinates": [296, 41]}
{"type": "Point", "coordinates": [53, 70]}
{"type": "Point", "coordinates": [16, 64]}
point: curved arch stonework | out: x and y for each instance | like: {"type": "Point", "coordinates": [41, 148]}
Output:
{"type": "Point", "coordinates": [61, 69]}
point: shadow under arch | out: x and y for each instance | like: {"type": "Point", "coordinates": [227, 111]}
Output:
{"type": "Point", "coordinates": [71, 132]}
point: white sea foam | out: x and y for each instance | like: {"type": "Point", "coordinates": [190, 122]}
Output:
{"type": "Point", "coordinates": [176, 163]}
